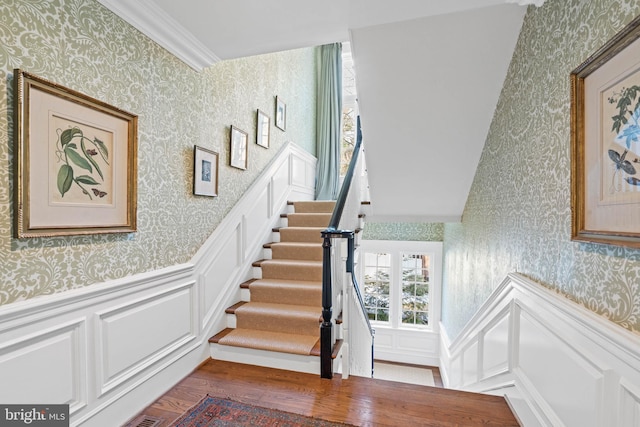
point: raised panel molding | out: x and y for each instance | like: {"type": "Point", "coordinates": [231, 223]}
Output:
{"type": "Point", "coordinates": [135, 335]}
{"type": "Point", "coordinates": [495, 347]}
{"type": "Point", "coordinates": [629, 404]}
{"type": "Point", "coordinates": [110, 349]}
{"type": "Point", "coordinates": [556, 362]}
{"type": "Point", "coordinates": [48, 365]}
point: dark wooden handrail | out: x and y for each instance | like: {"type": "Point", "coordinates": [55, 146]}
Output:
{"type": "Point", "coordinates": [332, 231]}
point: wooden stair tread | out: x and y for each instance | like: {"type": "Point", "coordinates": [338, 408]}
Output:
{"type": "Point", "coordinates": [267, 340]}
{"type": "Point", "coordinates": [334, 352]}
{"type": "Point", "coordinates": [315, 350]}
{"type": "Point", "coordinates": [234, 307]}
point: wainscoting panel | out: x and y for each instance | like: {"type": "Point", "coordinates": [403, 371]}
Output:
{"type": "Point", "coordinates": [629, 404]}
{"type": "Point", "coordinates": [303, 171]}
{"type": "Point", "coordinates": [125, 353]}
{"type": "Point", "coordinates": [255, 219]}
{"type": "Point", "coordinates": [220, 272]}
{"type": "Point", "coordinates": [495, 360]}
{"type": "Point", "coordinates": [110, 349]}
{"type": "Point", "coordinates": [470, 364]}
{"type": "Point", "coordinates": [557, 363]}
{"type": "Point", "coordinates": [56, 360]}
{"type": "Point", "coordinates": [406, 346]}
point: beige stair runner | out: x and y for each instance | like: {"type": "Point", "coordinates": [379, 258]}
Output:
{"type": "Point", "coordinates": [285, 305]}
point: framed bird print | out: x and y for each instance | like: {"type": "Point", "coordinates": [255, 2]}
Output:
{"type": "Point", "coordinates": [605, 143]}
{"type": "Point", "coordinates": [76, 162]}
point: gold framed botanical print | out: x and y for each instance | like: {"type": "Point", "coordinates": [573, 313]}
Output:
{"type": "Point", "coordinates": [76, 162]}
{"type": "Point", "coordinates": [605, 143]}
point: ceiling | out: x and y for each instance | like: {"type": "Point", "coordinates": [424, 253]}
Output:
{"type": "Point", "coordinates": [428, 73]}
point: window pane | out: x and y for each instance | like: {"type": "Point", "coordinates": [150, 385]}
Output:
{"type": "Point", "coordinates": [415, 289]}
{"type": "Point", "coordinates": [376, 285]}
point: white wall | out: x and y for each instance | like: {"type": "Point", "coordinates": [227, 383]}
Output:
{"type": "Point", "coordinates": [111, 349]}
{"type": "Point", "coordinates": [427, 90]}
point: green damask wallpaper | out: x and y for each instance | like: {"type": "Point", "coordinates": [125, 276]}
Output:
{"type": "Point", "coordinates": [517, 216]}
{"type": "Point", "coordinates": [427, 232]}
{"type": "Point", "coordinates": [82, 45]}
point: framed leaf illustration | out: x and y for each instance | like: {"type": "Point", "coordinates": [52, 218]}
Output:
{"type": "Point", "coordinates": [605, 143]}
{"type": "Point", "coordinates": [75, 162]}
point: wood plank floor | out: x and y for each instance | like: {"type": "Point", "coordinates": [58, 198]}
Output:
{"type": "Point", "coordinates": [356, 400]}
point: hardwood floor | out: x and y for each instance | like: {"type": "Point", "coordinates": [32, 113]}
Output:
{"type": "Point", "coordinates": [356, 400]}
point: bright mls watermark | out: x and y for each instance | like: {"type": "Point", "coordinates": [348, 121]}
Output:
{"type": "Point", "coordinates": [34, 415]}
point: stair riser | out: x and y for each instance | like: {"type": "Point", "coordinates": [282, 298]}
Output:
{"type": "Point", "coordinates": [314, 207]}
{"type": "Point", "coordinates": [307, 236]}
{"type": "Point", "coordinates": [231, 321]}
{"type": "Point", "coordinates": [307, 297]}
{"type": "Point", "coordinates": [284, 325]}
{"type": "Point", "coordinates": [308, 220]}
{"type": "Point", "coordinates": [312, 274]}
{"type": "Point", "coordinates": [301, 253]}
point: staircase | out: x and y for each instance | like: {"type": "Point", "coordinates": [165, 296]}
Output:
{"type": "Point", "coordinates": [277, 322]}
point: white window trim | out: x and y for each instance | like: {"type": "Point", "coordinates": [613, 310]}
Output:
{"type": "Point", "coordinates": [396, 249]}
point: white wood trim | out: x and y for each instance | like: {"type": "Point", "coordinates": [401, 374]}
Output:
{"type": "Point", "coordinates": [110, 349]}
{"type": "Point", "coordinates": [147, 17]}
{"type": "Point", "coordinates": [560, 363]}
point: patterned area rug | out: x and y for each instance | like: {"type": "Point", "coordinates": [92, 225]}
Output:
{"type": "Point", "coordinates": [214, 411]}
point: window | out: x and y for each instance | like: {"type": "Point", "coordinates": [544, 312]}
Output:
{"type": "Point", "coordinates": [415, 289]}
{"type": "Point", "coordinates": [349, 108]}
{"type": "Point", "coordinates": [377, 269]}
{"type": "Point", "coordinates": [401, 283]}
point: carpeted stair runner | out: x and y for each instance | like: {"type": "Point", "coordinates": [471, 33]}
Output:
{"type": "Point", "coordinates": [285, 304]}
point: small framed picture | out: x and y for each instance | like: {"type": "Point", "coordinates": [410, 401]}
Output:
{"type": "Point", "coordinates": [239, 147]}
{"type": "Point", "coordinates": [262, 129]}
{"type": "Point", "coordinates": [281, 113]}
{"type": "Point", "coordinates": [205, 172]}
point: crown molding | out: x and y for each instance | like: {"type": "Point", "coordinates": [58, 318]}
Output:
{"type": "Point", "coordinates": [164, 30]}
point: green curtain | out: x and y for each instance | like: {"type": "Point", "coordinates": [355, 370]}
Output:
{"type": "Point", "coordinates": [328, 121]}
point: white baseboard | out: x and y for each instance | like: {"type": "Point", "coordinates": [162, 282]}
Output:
{"type": "Point", "coordinates": [557, 363]}
{"type": "Point", "coordinates": [111, 349]}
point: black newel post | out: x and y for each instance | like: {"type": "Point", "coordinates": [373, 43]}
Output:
{"type": "Point", "coordinates": [326, 329]}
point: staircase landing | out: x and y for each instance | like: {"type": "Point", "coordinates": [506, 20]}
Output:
{"type": "Point", "coordinates": [357, 401]}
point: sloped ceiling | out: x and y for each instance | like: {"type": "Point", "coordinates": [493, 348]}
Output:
{"type": "Point", "coordinates": [428, 73]}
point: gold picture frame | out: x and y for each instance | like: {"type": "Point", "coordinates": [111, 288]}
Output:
{"type": "Point", "coordinates": [605, 143]}
{"type": "Point", "coordinates": [75, 163]}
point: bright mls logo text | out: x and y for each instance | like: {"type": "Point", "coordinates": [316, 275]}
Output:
{"type": "Point", "coordinates": [36, 415]}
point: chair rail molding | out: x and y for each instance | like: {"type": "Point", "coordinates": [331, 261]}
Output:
{"type": "Point", "coordinates": [110, 349]}
{"type": "Point", "coordinates": [556, 362]}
